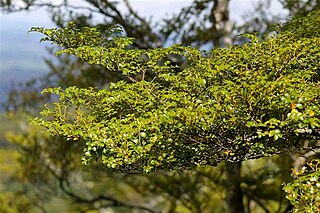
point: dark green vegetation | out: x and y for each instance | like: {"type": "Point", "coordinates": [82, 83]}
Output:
{"type": "Point", "coordinates": [128, 105]}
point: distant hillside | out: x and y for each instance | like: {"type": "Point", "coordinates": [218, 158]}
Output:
{"type": "Point", "coordinates": [21, 54]}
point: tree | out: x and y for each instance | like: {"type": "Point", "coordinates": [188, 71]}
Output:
{"type": "Point", "coordinates": [235, 104]}
{"type": "Point", "coordinates": [200, 35]}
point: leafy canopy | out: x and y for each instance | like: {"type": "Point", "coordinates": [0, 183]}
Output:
{"type": "Point", "coordinates": [243, 102]}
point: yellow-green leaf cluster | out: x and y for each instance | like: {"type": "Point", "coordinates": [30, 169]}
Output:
{"type": "Point", "coordinates": [244, 102]}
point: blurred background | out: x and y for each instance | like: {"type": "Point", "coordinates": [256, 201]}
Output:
{"type": "Point", "coordinates": [40, 174]}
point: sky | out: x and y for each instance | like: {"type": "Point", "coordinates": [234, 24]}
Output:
{"type": "Point", "coordinates": [21, 54]}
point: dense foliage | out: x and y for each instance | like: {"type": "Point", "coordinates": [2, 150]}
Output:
{"type": "Point", "coordinates": [49, 167]}
{"type": "Point", "coordinates": [243, 102]}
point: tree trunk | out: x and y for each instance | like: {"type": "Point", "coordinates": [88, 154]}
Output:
{"type": "Point", "coordinates": [221, 25]}
{"type": "Point", "coordinates": [221, 37]}
{"type": "Point", "coordinates": [234, 192]}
